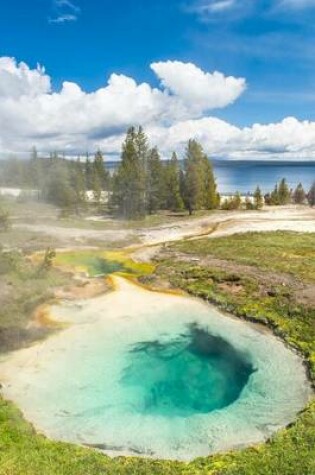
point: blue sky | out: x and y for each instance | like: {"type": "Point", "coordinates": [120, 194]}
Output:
{"type": "Point", "coordinates": [270, 43]}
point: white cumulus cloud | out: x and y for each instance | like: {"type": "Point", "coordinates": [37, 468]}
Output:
{"type": "Point", "coordinates": [18, 79]}
{"type": "Point", "coordinates": [73, 121]}
{"type": "Point", "coordinates": [289, 139]}
{"type": "Point", "coordinates": [197, 88]}
{"type": "Point", "coordinates": [31, 112]}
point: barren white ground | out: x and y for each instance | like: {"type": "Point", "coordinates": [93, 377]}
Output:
{"type": "Point", "coordinates": [219, 223]}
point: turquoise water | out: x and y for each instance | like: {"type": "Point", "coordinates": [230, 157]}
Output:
{"type": "Point", "coordinates": [156, 375]}
{"type": "Point", "coordinates": [95, 265]}
{"type": "Point", "coordinates": [99, 266]}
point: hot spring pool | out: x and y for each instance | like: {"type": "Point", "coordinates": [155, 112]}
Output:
{"type": "Point", "coordinates": [194, 373]}
{"type": "Point", "coordinates": [144, 373]}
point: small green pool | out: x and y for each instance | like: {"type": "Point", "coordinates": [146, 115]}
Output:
{"type": "Point", "coordinates": [101, 263]}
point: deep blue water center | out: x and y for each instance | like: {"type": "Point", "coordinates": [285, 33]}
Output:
{"type": "Point", "coordinates": [194, 373]}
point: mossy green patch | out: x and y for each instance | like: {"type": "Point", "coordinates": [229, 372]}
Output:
{"type": "Point", "coordinates": [280, 251]}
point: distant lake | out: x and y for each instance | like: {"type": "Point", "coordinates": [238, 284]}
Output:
{"type": "Point", "coordinates": [245, 175]}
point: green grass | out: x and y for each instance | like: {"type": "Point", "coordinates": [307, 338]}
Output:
{"type": "Point", "coordinates": [288, 252]}
{"type": "Point", "coordinates": [23, 287]}
{"type": "Point", "coordinates": [289, 452]}
{"type": "Point", "coordinates": [23, 452]}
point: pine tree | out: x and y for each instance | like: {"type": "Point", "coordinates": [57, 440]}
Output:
{"type": "Point", "coordinates": [100, 170]}
{"type": "Point", "coordinates": [129, 181]}
{"type": "Point", "coordinates": [154, 181]}
{"type": "Point", "coordinates": [225, 205]}
{"type": "Point", "coordinates": [88, 173]}
{"type": "Point", "coordinates": [199, 187]}
{"type": "Point", "coordinates": [258, 198]}
{"type": "Point", "coordinates": [174, 200]}
{"type": "Point", "coordinates": [311, 195]}
{"type": "Point", "coordinates": [249, 205]}
{"type": "Point", "coordinates": [274, 197]}
{"type": "Point", "coordinates": [194, 180]}
{"type": "Point", "coordinates": [58, 190]}
{"type": "Point", "coordinates": [283, 192]}
{"type": "Point", "coordinates": [299, 195]}
{"type": "Point", "coordinates": [141, 146]}
{"type": "Point", "coordinates": [78, 183]}
{"type": "Point", "coordinates": [96, 187]}
{"type": "Point", "coordinates": [232, 203]}
{"type": "Point", "coordinates": [98, 177]}
{"type": "Point", "coordinates": [237, 200]}
{"type": "Point", "coordinates": [211, 197]}
{"type": "Point", "coordinates": [142, 150]}
{"type": "Point", "coordinates": [192, 187]}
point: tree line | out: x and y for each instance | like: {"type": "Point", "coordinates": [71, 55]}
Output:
{"type": "Point", "coordinates": [282, 194]}
{"type": "Point", "coordinates": [144, 184]}
{"type": "Point", "coordinates": [141, 185]}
